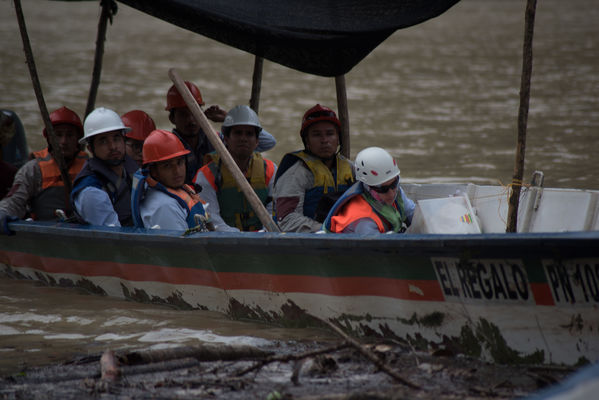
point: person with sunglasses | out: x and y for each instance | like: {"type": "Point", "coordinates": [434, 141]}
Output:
{"type": "Point", "coordinates": [374, 204]}
{"type": "Point", "coordinates": [309, 181]}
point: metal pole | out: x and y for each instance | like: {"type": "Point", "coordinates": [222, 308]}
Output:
{"type": "Point", "coordinates": [256, 84]}
{"type": "Point", "coordinates": [56, 151]}
{"type": "Point", "coordinates": [343, 114]}
{"type": "Point", "coordinates": [512, 219]}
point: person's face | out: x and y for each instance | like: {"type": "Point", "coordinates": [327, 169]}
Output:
{"type": "Point", "coordinates": [322, 139]}
{"type": "Point", "coordinates": [109, 146]}
{"type": "Point", "coordinates": [134, 150]}
{"type": "Point", "coordinates": [67, 136]}
{"type": "Point", "coordinates": [184, 121]}
{"type": "Point", "coordinates": [171, 173]}
{"type": "Point", "coordinates": [242, 141]}
{"type": "Point", "coordinates": [387, 191]}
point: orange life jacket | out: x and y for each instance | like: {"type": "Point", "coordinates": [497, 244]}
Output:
{"type": "Point", "coordinates": [52, 195]}
{"type": "Point", "coordinates": [354, 210]}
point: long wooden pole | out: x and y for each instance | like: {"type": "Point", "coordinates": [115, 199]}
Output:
{"type": "Point", "coordinates": [529, 24]}
{"type": "Point", "coordinates": [256, 84]}
{"type": "Point", "coordinates": [224, 154]}
{"type": "Point", "coordinates": [56, 150]}
{"type": "Point", "coordinates": [343, 114]}
{"type": "Point", "coordinates": [100, 39]}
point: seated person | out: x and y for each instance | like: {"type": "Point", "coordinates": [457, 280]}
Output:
{"type": "Point", "coordinates": [228, 208]}
{"type": "Point", "coordinates": [160, 197]}
{"type": "Point", "coordinates": [190, 133]}
{"type": "Point", "coordinates": [102, 191]}
{"type": "Point", "coordinates": [141, 125]}
{"type": "Point", "coordinates": [38, 189]}
{"type": "Point", "coordinates": [308, 177]}
{"type": "Point", "coordinates": [373, 204]}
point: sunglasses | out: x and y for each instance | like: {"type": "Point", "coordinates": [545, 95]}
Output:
{"type": "Point", "coordinates": [386, 188]}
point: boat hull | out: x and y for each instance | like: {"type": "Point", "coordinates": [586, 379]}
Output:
{"type": "Point", "coordinates": [507, 298]}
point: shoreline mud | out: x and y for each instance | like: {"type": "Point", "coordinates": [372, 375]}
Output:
{"type": "Point", "coordinates": [285, 370]}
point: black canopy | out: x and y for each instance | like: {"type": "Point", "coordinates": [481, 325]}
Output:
{"type": "Point", "coordinates": [321, 37]}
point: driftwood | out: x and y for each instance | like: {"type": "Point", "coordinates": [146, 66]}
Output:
{"type": "Point", "coordinates": [371, 356]}
{"type": "Point", "coordinates": [292, 357]}
{"type": "Point", "coordinates": [200, 353]}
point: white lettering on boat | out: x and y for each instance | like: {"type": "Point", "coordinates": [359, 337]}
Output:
{"type": "Point", "coordinates": [502, 281]}
{"type": "Point", "coordinates": [573, 283]}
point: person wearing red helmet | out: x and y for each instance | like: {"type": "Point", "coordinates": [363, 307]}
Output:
{"type": "Point", "coordinates": [191, 135]}
{"type": "Point", "coordinates": [308, 180]}
{"type": "Point", "coordinates": [38, 189]}
{"type": "Point", "coordinates": [160, 198]}
{"type": "Point", "coordinates": [141, 125]}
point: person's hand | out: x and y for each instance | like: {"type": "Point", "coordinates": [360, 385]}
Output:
{"type": "Point", "coordinates": [4, 220]}
{"type": "Point", "coordinates": [215, 113]}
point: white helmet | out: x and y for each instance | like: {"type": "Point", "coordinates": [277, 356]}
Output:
{"type": "Point", "coordinates": [102, 120]}
{"type": "Point", "coordinates": [241, 115]}
{"type": "Point", "coordinates": [375, 166]}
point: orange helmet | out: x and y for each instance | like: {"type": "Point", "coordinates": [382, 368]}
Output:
{"type": "Point", "coordinates": [175, 100]}
{"type": "Point", "coordinates": [316, 114]}
{"type": "Point", "coordinates": [141, 124]}
{"type": "Point", "coordinates": [65, 115]}
{"type": "Point", "coordinates": [161, 145]}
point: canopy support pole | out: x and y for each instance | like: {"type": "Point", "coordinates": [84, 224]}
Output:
{"type": "Point", "coordinates": [343, 114]}
{"type": "Point", "coordinates": [224, 154]}
{"type": "Point", "coordinates": [56, 150]}
{"type": "Point", "coordinates": [256, 84]}
{"type": "Point", "coordinates": [108, 10]}
{"type": "Point", "coordinates": [529, 24]}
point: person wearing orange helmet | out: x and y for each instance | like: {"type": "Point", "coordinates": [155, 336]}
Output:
{"type": "Point", "coordinates": [38, 189]}
{"type": "Point", "coordinates": [191, 135]}
{"type": "Point", "coordinates": [309, 180]}
{"type": "Point", "coordinates": [141, 125]}
{"type": "Point", "coordinates": [160, 198]}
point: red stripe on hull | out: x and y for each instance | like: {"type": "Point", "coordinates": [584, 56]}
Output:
{"type": "Point", "coordinates": [542, 294]}
{"type": "Point", "coordinates": [426, 290]}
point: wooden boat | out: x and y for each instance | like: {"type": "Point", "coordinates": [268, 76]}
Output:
{"type": "Point", "coordinates": [509, 298]}
{"type": "Point", "coordinates": [464, 285]}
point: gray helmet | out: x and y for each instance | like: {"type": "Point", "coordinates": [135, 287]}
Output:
{"type": "Point", "coordinates": [241, 115]}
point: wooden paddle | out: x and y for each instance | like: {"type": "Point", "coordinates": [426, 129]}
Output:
{"type": "Point", "coordinates": [224, 154]}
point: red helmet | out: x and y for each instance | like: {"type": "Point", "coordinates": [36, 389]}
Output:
{"type": "Point", "coordinates": [316, 114]}
{"type": "Point", "coordinates": [175, 100]}
{"type": "Point", "coordinates": [161, 145]}
{"type": "Point", "coordinates": [65, 116]}
{"type": "Point", "coordinates": [141, 124]}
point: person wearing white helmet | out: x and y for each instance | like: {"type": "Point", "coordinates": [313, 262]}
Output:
{"type": "Point", "coordinates": [227, 206]}
{"type": "Point", "coordinates": [102, 191]}
{"type": "Point", "coordinates": [190, 133]}
{"type": "Point", "coordinates": [375, 203]}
